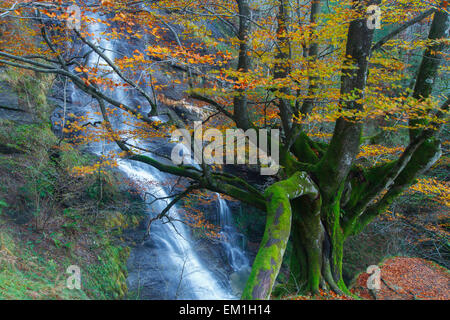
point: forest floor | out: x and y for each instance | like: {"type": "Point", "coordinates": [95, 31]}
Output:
{"type": "Point", "coordinates": [402, 278]}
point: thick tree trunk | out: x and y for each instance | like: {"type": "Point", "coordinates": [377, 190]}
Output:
{"type": "Point", "coordinates": [308, 234]}
{"type": "Point", "coordinates": [279, 197]}
{"type": "Point", "coordinates": [316, 260]}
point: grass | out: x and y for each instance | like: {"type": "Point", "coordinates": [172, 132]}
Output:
{"type": "Point", "coordinates": [26, 274]}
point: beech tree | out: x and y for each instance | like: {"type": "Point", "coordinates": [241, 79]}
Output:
{"type": "Point", "coordinates": [311, 69]}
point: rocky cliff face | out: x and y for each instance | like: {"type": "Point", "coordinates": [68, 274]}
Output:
{"type": "Point", "coordinates": [11, 106]}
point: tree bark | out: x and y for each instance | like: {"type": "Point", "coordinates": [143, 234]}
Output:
{"type": "Point", "coordinates": [282, 66]}
{"type": "Point", "coordinates": [431, 61]}
{"type": "Point", "coordinates": [276, 235]}
{"type": "Point", "coordinates": [240, 101]}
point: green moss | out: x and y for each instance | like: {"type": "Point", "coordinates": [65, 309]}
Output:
{"type": "Point", "coordinates": [302, 148]}
{"type": "Point", "coordinates": [268, 261]}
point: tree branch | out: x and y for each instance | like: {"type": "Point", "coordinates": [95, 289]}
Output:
{"type": "Point", "coordinates": [401, 28]}
{"type": "Point", "coordinates": [164, 212]}
{"type": "Point", "coordinates": [119, 73]}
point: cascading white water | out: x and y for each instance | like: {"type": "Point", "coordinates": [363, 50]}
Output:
{"type": "Point", "coordinates": [196, 281]}
{"type": "Point", "coordinates": [233, 244]}
{"type": "Point", "coordinates": [233, 241]}
{"type": "Point", "coordinates": [166, 266]}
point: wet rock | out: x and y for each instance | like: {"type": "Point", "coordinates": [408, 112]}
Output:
{"type": "Point", "coordinates": [238, 280]}
{"type": "Point", "coordinates": [10, 106]}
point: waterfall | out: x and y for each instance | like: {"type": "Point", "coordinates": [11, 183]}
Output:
{"type": "Point", "coordinates": [167, 265]}
{"type": "Point", "coordinates": [186, 277]}
{"type": "Point", "coordinates": [233, 244]}
{"type": "Point", "coordinates": [233, 241]}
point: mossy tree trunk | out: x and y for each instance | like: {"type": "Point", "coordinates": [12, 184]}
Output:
{"type": "Point", "coordinates": [279, 197]}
